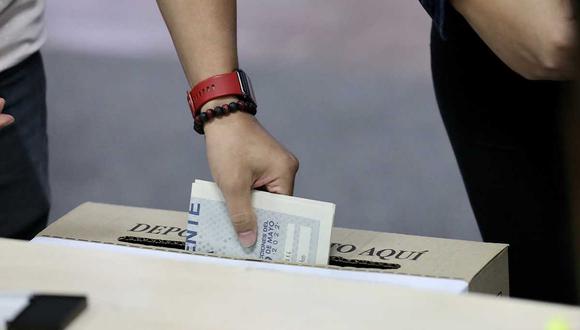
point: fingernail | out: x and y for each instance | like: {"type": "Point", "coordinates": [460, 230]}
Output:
{"type": "Point", "coordinates": [247, 238]}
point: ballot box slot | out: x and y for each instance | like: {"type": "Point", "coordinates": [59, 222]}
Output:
{"type": "Point", "coordinates": [344, 262]}
{"type": "Point", "coordinates": [168, 244]}
{"type": "Point", "coordinates": [333, 260]}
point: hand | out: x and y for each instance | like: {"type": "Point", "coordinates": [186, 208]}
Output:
{"type": "Point", "coordinates": [535, 38]}
{"type": "Point", "coordinates": [242, 155]}
{"type": "Point", "coordinates": [5, 120]}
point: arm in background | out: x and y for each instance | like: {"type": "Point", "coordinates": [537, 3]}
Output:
{"type": "Point", "coordinates": [242, 155]}
{"type": "Point", "coordinates": [535, 38]}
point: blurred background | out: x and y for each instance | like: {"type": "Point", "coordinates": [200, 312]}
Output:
{"type": "Point", "coordinates": [344, 85]}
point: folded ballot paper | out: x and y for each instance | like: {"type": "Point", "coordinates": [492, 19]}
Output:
{"type": "Point", "coordinates": [290, 229]}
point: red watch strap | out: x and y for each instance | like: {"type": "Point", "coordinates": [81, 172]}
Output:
{"type": "Point", "coordinates": [217, 86]}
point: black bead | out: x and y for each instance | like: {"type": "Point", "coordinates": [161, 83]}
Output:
{"type": "Point", "coordinates": [234, 106]}
{"type": "Point", "coordinates": [219, 111]}
{"type": "Point", "coordinates": [210, 114]}
{"type": "Point", "coordinates": [198, 128]}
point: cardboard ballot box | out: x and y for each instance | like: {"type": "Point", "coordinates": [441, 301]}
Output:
{"type": "Point", "coordinates": [354, 254]}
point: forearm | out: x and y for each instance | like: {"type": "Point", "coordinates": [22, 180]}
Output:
{"type": "Point", "coordinates": [204, 35]}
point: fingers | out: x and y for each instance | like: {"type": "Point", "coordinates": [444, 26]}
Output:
{"type": "Point", "coordinates": [285, 173]}
{"type": "Point", "coordinates": [286, 188]}
{"type": "Point", "coordinates": [567, 9]}
{"type": "Point", "coordinates": [282, 186]}
{"type": "Point", "coordinates": [5, 120]}
{"type": "Point", "coordinates": [238, 198]}
{"type": "Point", "coordinates": [239, 202]}
{"type": "Point", "coordinates": [285, 184]}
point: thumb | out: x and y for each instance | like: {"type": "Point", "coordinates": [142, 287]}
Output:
{"type": "Point", "coordinates": [239, 203]}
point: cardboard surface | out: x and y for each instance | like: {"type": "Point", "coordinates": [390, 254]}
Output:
{"type": "Point", "coordinates": [417, 282]}
{"type": "Point", "coordinates": [482, 266]}
{"type": "Point", "coordinates": [147, 292]}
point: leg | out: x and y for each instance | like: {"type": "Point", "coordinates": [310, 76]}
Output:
{"type": "Point", "coordinates": [24, 191]}
{"type": "Point", "coordinates": [503, 130]}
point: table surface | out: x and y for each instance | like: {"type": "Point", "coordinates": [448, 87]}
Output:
{"type": "Point", "coordinates": [130, 291]}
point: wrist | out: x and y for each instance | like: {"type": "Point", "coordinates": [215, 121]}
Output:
{"type": "Point", "coordinates": [230, 124]}
{"type": "Point", "coordinates": [220, 123]}
{"type": "Point", "coordinates": [218, 102]}
{"type": "Point", "coordinates": [218, 97]}
{"type": "Point", "coordinates": [233, 84]}
{"type": "Point", "coordinates": [207, 70]}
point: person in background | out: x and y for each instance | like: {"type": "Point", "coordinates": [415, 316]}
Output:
{"type": "Point", "coordinates": [499, 70]}
{"type": "Point", "coordinates": [24, 191]}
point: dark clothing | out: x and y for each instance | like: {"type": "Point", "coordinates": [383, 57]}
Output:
{"type": "Point", "coordinates": [504, 132]}
{"type": "Point", "coordinates": [437, 9]}
{"type": "Point", "coordinates": [24, 192]}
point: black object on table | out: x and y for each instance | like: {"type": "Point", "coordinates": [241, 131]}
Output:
{"type": "Point", "coordinates": [48, 312]}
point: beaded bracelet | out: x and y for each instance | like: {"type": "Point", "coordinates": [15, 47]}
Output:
{"type": "Point", "coordinates": [219, 111]}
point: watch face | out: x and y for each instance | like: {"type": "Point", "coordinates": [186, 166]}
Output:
{"type": "Point", "coordinates": [246, 85]}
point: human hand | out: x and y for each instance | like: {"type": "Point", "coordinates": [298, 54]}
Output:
{"type": "Point", "coordinates": [535, 38]}
{"type": "Point", "coordinates": [5, 119]}
{"type": "Point", "coordinates": [242, 155]}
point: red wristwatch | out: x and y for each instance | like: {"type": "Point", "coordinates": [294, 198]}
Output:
{"type": "Point", "coordinates": [235, 83]}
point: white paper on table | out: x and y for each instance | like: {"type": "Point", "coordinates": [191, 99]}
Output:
{"type": "Point", "coordinates": [11, 304]}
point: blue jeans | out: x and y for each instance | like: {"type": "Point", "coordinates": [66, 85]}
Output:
{"type": "Point", "coordinates": [24, 190]}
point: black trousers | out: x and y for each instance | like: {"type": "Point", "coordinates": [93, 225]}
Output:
{"type": "Point", "coordinates": [504, 132]}
{"type": "Point", "coordinates": [24, 192]}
